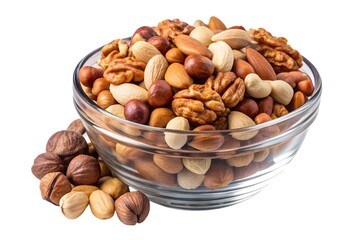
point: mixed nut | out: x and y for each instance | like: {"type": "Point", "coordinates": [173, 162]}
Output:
{"type": "Point", "coordinates": [200, 77]}
{"type": "Point", "coordinates": [72, 176]}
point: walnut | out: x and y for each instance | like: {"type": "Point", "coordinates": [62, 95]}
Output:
{"type": "Point", "coordinates": [230, 87]}
{"type": "Point", "coordinates": [171, 28]}
{"type": "Point", "coordinates": [105, 61]}
{"type": "Point", "coordinates": [277, 51]}
{"type": "Point", "coordinates": [113, 50]}
{"type": "Point", "coordinates": [199, 104]}
{"type": "Point", "coordinates": [124, 70]}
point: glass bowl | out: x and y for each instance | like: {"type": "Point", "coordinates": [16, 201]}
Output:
{"type": "Point", "coordinates": [239, 169]}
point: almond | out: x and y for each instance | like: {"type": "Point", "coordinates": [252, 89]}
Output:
{"type": "Point", "coordinates": [216, 24]}
{"type": "Point", "coordinates": [155, 70]}
{"type": "Point", "coordinates": [235, 38]}
{"type": "Point", "coordinates": [144, 51]}
{"type": "Point", "coordinates": [127, 91]}
{"type": "Point", "coordinates": [261, 66]}
{"type": "Point", "coordinates": [150, 171]}
{"type": "Point", "coordinates": [240, 120]}
{"type": "Point", "coordinates": [168, 164]}
{"type": "Point", "coordinates": [177, 77]}
{"type": "Point", "coordinates": [188, 45]}
{"type": "Point", "coordinates": [202, 34]}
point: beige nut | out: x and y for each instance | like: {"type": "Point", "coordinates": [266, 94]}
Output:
{"type": "Point", "coordinates": [223, 57]}
{"type": "Point", "coordinates": [202, 34]}
{"type": "Point", "coordinates": [128, 91]}
{"type": "Point", "coordinates": [155, 70]}
{"type": "Point", "coordinates": [235, 38]}
{"type": "Point", "coordinates": [197, 165]}
{"type": "Point", "coordinates": [73, 204]}
{"type": "Point", "coordinates": [144, 51]}
{"type": "Point", "coordinates": [189, 180]}
{"type": "Point", "coordinates": [101, 204]}
{"type": "Point", "coordinates": [177, 140]}
{"type": "Point", "coordinates": [237, 120]}
{"type": "Point", "coordinates": [117, 110]}
{"type": "Point", "coordinates": [87, 189]}
{"type": "Point", "coordinates": [114, 187]}
{"type": "Point", "coordinates": [256, 87]}
{"type": "Point", "coordinates": [281, 91]}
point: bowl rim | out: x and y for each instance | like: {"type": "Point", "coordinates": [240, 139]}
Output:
{"type": "Point", "coordinates": [312, 100]}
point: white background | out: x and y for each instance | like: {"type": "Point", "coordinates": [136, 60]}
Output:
{"type": "Point", "coordinates": [316, 197]}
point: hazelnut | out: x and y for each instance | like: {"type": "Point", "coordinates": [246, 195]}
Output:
{"type": "Point", "coordinates": [161, 43]}
{"type": "Point", "coordinates": [132, 207]}
{"type": "Point", "coordinates": [160, 94]}
{"type": "Point", "coordinates": [219, 175]}
{"type": "Point", "coordinates": [99, 85]}
{"type": "Point", "coordinates": [77, 126]}
{"type": "Point", "coordinates": [87, 75]}
{"type": "Point", "coordinates": [45, 163]}
{"type": "Point", "coordinates": [83, 170]}
{"type": "Point", "coordinates": [104, 169]}
{"type": "Point", "coordinates": [73, 204]}
{"type": "Point", "coordinates": [87, 189]}
{"type": "Point", "coordinates": [101, 204]}
{"type": "Point", "coordinates": [114, 187]}
{"type": "Point", "coordinates": [143, 33]}
{"type": "Point", "coordinates": [136, 111]}
{"type": "Point", "coordinates": [67, 144]}
{"type": "Point", "coordinates": [105, 99]}
{"type": "Point", "coordinates": [198, 66]}
{"type": "Point", "coordinates": [160, 117]}
{"type": "Point", "coordinates": [53, 186]}
{"type": "Point", "coordinates": [243, 172]}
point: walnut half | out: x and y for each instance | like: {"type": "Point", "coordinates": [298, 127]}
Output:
{"type": "Point", "coordinates": [277, 51]}
{"type": "Point", "coordinates": [199, 104]}
{"type": "Point", "coordinates": [230, 87]}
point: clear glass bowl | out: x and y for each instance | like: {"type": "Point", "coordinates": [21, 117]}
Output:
{"type": "Point", "coordinates": [129, 149]}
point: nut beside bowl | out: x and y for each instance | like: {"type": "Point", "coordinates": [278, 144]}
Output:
{"type": "Point", "coordinates": [241, 167]}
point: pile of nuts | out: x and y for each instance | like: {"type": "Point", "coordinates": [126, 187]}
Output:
{"type": "Point", "coordinates": [73, 176]}
{"type": "Point", "coordinates": [199, 77]}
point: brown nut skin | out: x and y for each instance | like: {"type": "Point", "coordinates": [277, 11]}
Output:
{"type": "Point", "coordinates": [143, 33]}
{"type": "Point", "coordinates": [161, 43]}
{"type": "Point", "coordinates": [160, 94]}
{"type": "Point", "coordinates": [83, 170]}
{"type": "Point", "coordinates": [132, 207]}
{"type": "Point", "coordinates": [137, 111]}
{"type": "Point", "coordinates": [266, 105]}
{"type": "Point", "coordinates": [45, 163]}
{"type": "Point", "coordinates": [99, 85]}
{"type": "Point", "coordinates": [105, 99]}
{"type": "Point", "coordinates": [53, 186]}
{"type": "Point", "coordinates": [199, 67]}
{"type": "Point", "coordinates": [241, 68]}
{"type": "Point", "coordinates": [160, 117]}
{"type": "Point", "coordinates": [174, 55]}
{"type": "Point", "coordinates": [67, 144]}
{"type": "Point", "coordinates": [248, 106]}
{"type": "Point", "coordinates": [219, 175]}
{"type": "Point", "coordinates": [297, 101]}
{"type": "Point", "coordinates": [77, 126]}
{"type": "Point", "coordinates": [268, 131]}
{"type": "Point", "coordinates": [87, 75]}
{"type": "Point", "coordinates": [206, 142]}
{"type": "Point", "coordinates": [306, 87]}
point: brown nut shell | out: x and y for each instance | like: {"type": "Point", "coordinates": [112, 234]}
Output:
{"type": "Point", "coordinates": [45, 163]}
{"type": "Point", "coordinates": [83, 170]}
{"type": "Point", "coordinates": [53, 186]}
{"type": "Point", "coordinates": [132, 207]}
